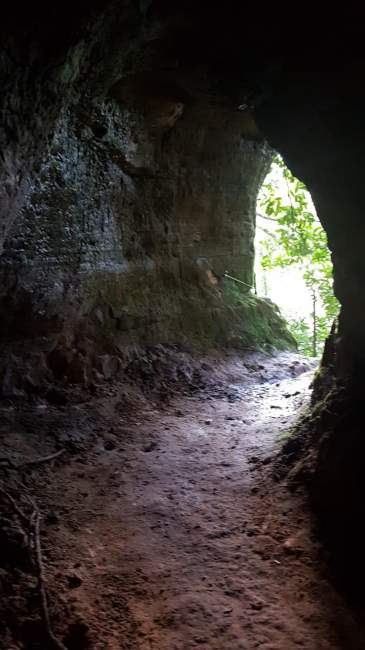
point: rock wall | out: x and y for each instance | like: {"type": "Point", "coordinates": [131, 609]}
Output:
{"type": "Point", "coordinates": [128, 192]}
{"type": "Point", "coordinates": [318, 127]}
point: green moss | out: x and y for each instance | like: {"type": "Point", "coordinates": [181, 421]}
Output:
{"type": "Point", "coordinates": [152, 307]}
{"type": "Point", "coordinates": [260, 323]}
{"type": "Point", "coordinates": [284, 436]}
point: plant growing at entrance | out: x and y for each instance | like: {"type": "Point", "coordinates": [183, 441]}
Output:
{"type": "Point", "coordinates": [298, 238]}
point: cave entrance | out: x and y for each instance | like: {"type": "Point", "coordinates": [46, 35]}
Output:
{"type": "Point", "coordinates": [293, 265]}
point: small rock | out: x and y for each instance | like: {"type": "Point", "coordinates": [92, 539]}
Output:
{"type": "Point", "coordinates": [109, 445]}
{"type": "Point", "coordinates": [97, 376]}
{"type": "Point", "coordinates": [99, 316]}
{"type": "Point", "coordinates": [52, 518]}
{"type": "Point", "coordinates": [110, 365]}
{"type": "Point", "coordinates": [150, 447]}
{"type": "Point", "coordinates": [74, 581]}
{"type": "Point", "coordinates": [257, 606]}
{"type": "Point", "coordinates": [294, 545]}
{"type": "Point", "coordinates": [267, 460]}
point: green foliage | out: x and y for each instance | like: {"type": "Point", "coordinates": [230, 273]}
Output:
{"type": "Point", "coordinates": [302, 333]}
{"type": "Point", "coordinates": [299, 239]}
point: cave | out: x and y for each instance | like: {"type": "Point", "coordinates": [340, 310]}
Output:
{"type": "Point", "coordinates": [135, 136]}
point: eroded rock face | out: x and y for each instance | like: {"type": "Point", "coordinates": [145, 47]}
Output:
{"type": "Point", "coordinates": [129, 188]}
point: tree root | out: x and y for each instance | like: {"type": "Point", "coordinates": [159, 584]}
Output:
{"type": "Point", "coordinates": [56, 643]}
{"type": "Point", "coordinates": [18, 511]}
{"type": "Point", "coordinates": [28, 463]}
{"type": "Point", "coordinates": [32, 523]}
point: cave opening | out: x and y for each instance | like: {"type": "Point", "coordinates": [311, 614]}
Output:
{"type": "Point", "coordinates": [293, 265]}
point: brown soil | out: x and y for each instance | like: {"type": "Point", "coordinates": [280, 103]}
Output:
{"type": "Point", "coordinates": [163, 528]}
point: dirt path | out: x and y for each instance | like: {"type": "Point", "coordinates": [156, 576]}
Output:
{"type": "Point", "coordinates": [170, 533]}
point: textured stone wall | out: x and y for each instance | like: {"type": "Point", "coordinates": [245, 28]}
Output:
{"type": "Point", "coordinates": [128, 193]}
{"type": "Point", "coordinates": [108, 215]}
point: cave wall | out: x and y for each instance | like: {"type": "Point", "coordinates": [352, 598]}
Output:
{"type": "Point", "coordinates": [317, 124]}
{"type": "Point", "coordinates": [127, 193]}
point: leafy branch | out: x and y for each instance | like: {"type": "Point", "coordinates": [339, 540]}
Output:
{"type": "Point", "coordinates": [298, 239]}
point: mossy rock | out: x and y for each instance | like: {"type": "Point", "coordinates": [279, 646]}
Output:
{"type": "Point", "coordinates": [258, 322]}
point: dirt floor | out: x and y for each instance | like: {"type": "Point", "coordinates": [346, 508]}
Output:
{"type": "Point", "coordinates": [162, 526]}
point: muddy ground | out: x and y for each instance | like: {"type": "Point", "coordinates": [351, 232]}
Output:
{"type": "Point", "coordinates": [162, 526]}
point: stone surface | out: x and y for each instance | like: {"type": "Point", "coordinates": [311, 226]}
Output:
{"type": "Point", "coordinates": [128, 193]}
